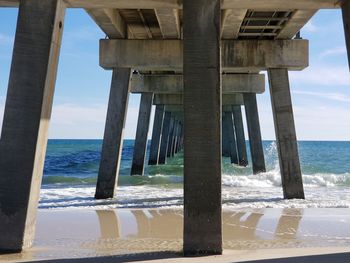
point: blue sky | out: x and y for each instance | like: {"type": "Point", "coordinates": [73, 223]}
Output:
{"type": "Point", "coordinates": [320, 93]}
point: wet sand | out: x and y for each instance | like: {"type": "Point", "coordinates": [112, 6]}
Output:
{"type": "Point", "coordinates": [126, 235]}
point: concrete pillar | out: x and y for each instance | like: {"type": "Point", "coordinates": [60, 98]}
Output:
{"type": "Point", "coordinates": [256, 147]}
{"type": "Point", "coordinates": [165, 137]}
{"type": "Point", "coordinates": [226, 150]}
{"type": "Point", "coordinates": [228, 125]}
{"type": "Point", "coordinates": [171, 136]}
{"type": "Point", "coordinates": [180, 138]}
{"type": "Point", "coordinates": [156, 135]}
{"type": "Point", "coordinates": [346, 22]}
{"type": "Point", "coordinates": [202, 123]}
{"type": "Point", "coordinates": [113, 136]}
{"type": "Point", "coordinates": [285, 134]}
{"type": "Point", "coordinates": [176, 131]}
{"type": "Point", "coordinates": [140, 147]}
{"type": "Point", "coordinates": [26, 119]}
{"type": "Point", "coordinates": [241, 145]}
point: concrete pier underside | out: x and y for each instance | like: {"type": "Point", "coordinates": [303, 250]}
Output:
{"type": "Point", "coordinates": [194, 61]}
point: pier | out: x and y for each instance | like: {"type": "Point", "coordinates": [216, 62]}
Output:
{"type": "Point", "coordinates": [199, 63]}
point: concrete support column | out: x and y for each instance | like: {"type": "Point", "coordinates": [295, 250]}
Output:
{"type": "Point", "coordinates": [26, 119]}
{"type": "Point", "coordinates": [202, 123]}
{"type": "Point", "coordinates": [228, 125]}
{"type": "Point", "coordinates": [171, 136]}
{"type": "Point", "coordinates": [241, 145]}
{"type": "Point", "coordinates": [173, 150]}
{"type": "Point", "coordinates": [165, 137]}
{"type": "Point", "coordinates": [179, 146]}
{"type": "Point", "coordinates": [156, 135]}
{"type": "Point", "coordinates": [346, 22]}
{"type": "Point", "coordinates": [255, 142]}
{"type": "Point", "coordinates": [113, 136]}
{"type": "Point", "coordinates": [285, 134]}
{"type": "Point", "coordinates": [140, 147]}
{"type": "Point", "coordinates": [226, 150]}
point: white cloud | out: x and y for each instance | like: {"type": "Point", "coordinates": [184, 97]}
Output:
{"type": "Point", "coordinates": [322, 75]}
{"type": "Point", "coordinates": [332, 52]}
{"type": "Point", "coordinates": [326, 95]}
{"type": "Point", "coordinates": [73, 121]}
{"type": "Point", "coordinates": [322, 123]}
{"type": "Point", "coordinates": [84, 33]}
{"type": "Point", "coordinates": [6, 40]}
{"type": "Point", "coordinates": [310, 27]}
{"type": "Point", "coordinates": [77, 121]}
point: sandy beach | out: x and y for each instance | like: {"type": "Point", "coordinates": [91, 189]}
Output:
{"type": "Point", "coordinates": [126, 235]}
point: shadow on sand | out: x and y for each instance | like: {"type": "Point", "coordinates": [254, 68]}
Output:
{"type": "Point", "coordinates": [338, 257]}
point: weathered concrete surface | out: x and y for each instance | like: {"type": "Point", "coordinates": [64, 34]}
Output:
{"type": "Point", "coordinates": [241, 145]}
{"type": "Point", "coordinates": [140, 147]}
{"type": "Point", "coordinates": [173, 146]}
{"type": "Point", "coordinates": [173, 84]}
{"type": "Point", "coordinates": [225, 148]}
{"type": "Point", "coordinates": [177, 4]}
{"type": "Point", "coordinates": [110, 22]}
{"type": "Point", "coordinates": [255, 142]}
{"type": "Point", "coordinates": [169, 22]}
{"type": "Point", "coordinates": [346, 22]}
{"type": "Point", "coordinates": [177, 99]}
{"type": "Point", "coordinates": [228, 120]}
{"type": "Point", "coordinates": [237, 55]}
{"type": "Point", "coordinates": [287, 145]}
{"type": "Point", "coordinates": [113, 136]}
{"type": "Point", "coordinates": [295, 23]}
{"type": "Point", "coordinates": [202, 116]}
{"type": "Point", "coordinates": [165, 137]}
{"type": "Point", "coordinates": [171, 137]}
{"type": "Point", "coordinates": [156, 134]}
{"type": "Point", "coordinates": [26, 119]}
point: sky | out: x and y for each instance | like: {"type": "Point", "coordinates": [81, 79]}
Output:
{"type": "Point", "coordinates": [320, 93]}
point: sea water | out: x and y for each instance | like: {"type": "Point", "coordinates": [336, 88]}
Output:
{"type": "Point", "coordinates": [71, 169]}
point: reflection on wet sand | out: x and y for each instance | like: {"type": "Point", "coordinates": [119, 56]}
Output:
{"type": "Point", "coordinates": [109, 224]}
{"type": "Point", "coordinates": [64, 234]}
{"type": "Point", "coordinates": [158, 223]}
{"type": "Point", "coordinates": [168, 224]}
{"type": "Point", "coordinates": [236, 227]}
{"type": "Point", "coordinates": [288, 223]}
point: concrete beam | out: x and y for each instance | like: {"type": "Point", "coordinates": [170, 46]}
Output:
{"type": "Point", "coordinates": [202, 122]}
{"type": "Point", "coordinates": [177, 99]}
{"type": "Point", "coordinates": [177, 4]}
{"type": "Point", "coordinates": [110, 22]}
{"type": "Point", "coordinates": [169, 22]}
{"type": "Point", "coordinates": [287, 145]}
{"type": "Point", "coordinates": [346, 22]}
{"type": "Point", "coordinates": [173, 84]}
{"type": "Point", "coordinates": [237, 55]}
{"type": "Point", "coordinates": [295, 23]}
{"type": "Point", "coordinates": [231, 22]}
{"type": "Point", "coordinates": [113, 135]}
{"type": "Point", "coordinates": [140, 147]}
{"type": "Point", "coordinates": [26, 119]}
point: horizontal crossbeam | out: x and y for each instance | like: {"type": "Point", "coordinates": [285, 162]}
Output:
{"type": "Point", "coordinates": [177, 4]}
{"type": "Point", "coordinates": [173, 84]}
{"type": "Point", "coordinates": [237, 55]}
{"type": "Point", "coordinates": [177, 99]}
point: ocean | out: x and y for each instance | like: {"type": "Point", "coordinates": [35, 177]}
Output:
{"type": "Point", "coordinates": [71, 169]}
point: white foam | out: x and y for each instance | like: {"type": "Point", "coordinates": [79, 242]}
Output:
{"type": "Point", "coordinates": [232, 197]}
